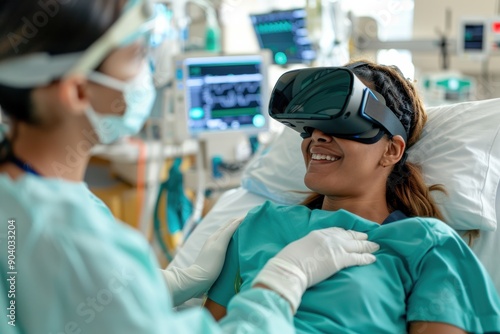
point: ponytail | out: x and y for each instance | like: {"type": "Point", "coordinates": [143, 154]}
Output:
{"type": "Point", "coordinates": [407, 191]}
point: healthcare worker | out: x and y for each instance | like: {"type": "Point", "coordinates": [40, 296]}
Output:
{"type": "Point", "coordinates": [74, 73]}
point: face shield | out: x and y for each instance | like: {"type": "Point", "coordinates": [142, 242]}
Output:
{"type": "Point", "coordinates": [335, 101]}
{"type": "Point", "coordinates": [140, 20]}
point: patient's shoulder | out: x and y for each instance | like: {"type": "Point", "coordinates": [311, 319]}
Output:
{"type": "Point", "coordinates": [430, 234]}
{"type": "Point", "coordinates": [430, 225]}
{"type": "Point", "coordinates": [413, 237]}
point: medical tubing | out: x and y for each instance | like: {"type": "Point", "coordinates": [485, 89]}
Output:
{"type": "Point", "coordinates": [200, 196]}
{"type": "Point", "coordinates": [141, 182]}
{"type": "Point", "coordinates": [157, 223]}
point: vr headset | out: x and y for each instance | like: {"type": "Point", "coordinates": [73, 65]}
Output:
{"type": "Point", "coordinates": [335, 101]}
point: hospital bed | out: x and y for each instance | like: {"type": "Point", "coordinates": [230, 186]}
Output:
{"type": "Point", "coordinates": [460, 148]}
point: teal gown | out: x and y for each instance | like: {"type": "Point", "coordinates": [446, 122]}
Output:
{"type": "Point", "coordinates": [424, 272]}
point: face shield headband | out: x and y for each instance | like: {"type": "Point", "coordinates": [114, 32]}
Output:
{"type": "Point", "coordinates": [138, 20]}
{"type": "Point", "coordinates": [335, 101]}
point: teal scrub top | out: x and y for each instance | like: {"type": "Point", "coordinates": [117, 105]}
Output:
{"type": "Point", "coordinates": [75, 269]}
{"type": "Point", "coordinates": [424, 272]}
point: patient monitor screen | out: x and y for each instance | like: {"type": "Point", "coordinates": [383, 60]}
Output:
{"type": "Point", "coordinates": [285, 34]}
{"type": "Point", "coordinates": [474, 37]}
{"type": "Point", "coordinates": [223, 93]}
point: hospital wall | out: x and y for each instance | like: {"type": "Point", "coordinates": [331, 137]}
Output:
{"type": "Point", "coordinates": [429, 17]}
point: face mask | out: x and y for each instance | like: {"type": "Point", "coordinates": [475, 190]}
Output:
{"type": "Point", "coordinates": [138, 94]}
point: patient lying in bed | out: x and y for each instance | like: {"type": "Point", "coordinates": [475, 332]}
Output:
{"type": "Point", "coordinates": [425, 279]}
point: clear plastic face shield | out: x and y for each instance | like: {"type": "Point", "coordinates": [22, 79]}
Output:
{"type": "Point", "coordinates": [141, 21]}
{"type": "Point", "coordinates": [335, 101]}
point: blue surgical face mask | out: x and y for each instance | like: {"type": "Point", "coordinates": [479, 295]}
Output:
{"type": "Point", "coordinates": [138, 94]}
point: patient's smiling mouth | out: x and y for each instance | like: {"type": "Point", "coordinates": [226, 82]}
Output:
{"type": "Point", "coordinates": [327, 157]}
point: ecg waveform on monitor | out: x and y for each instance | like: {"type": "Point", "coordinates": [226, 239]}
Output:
{"type": "Point", "coordinates": [231, 95]}
{"type": "Point", "coordinates": [274, 27]}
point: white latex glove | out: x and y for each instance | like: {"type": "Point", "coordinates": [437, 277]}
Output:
{"type": "Point", "coordinates": [314, 258]}
{"type": "Point", "coordinates": [196, 279]}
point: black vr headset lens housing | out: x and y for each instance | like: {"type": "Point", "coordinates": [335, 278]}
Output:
{"type": "Point", "coordinates": [335, 101]}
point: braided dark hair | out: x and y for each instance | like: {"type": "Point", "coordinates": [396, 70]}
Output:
{"type": "Point", "coordinates": [399, 93]}
{"type": "Point", "coordinates": [406, 189]}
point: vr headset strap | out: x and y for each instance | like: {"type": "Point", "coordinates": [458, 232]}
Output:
{"type": "Point", "coordinates": [384, 117]}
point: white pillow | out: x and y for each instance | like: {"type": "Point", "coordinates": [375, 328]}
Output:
{"type": "Point", "coordinates": [459, 148]}
{"type": "Point", "coordinates": [278, 171]}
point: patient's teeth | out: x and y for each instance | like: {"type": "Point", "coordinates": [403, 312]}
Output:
{"type": "Point", "coordinates": [316, 156]}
